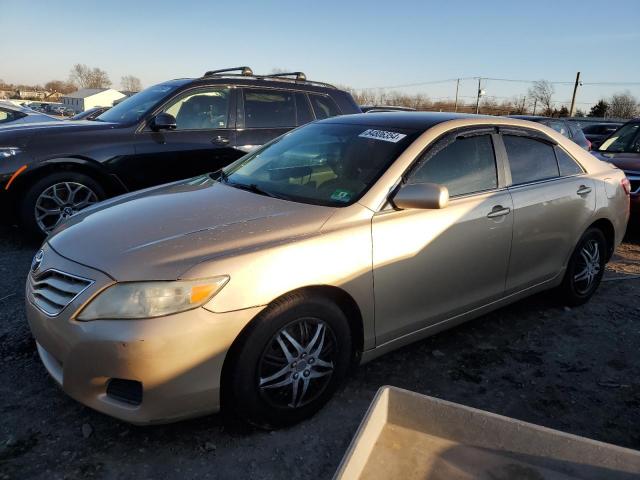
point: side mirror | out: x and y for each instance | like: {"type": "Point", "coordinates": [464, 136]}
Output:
{"type": "Point", "coordinates": [163, 121]}
{"type": "Point", "coordinates": [421, 195]}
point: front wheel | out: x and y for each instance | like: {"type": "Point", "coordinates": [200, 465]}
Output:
{"type": "Point", "coordinates": [585, 269]}
{"type": "Point", "coordinates": [294, 357]}
{"type": "Point", "coordinates": [53, 199]}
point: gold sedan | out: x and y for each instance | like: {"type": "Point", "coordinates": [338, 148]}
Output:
{"type": "Point", "coordinates": [256, 287]}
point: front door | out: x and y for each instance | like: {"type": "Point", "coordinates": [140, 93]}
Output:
{"type": "Point", "coordinates": [431, 265]}
{"type": "Point", "coordinates": [204, 139]}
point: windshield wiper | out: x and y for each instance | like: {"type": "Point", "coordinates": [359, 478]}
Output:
{"type": "Point", "coordinates": [220, 175]}
{"type": "Point", "coordinates": [251, 187]}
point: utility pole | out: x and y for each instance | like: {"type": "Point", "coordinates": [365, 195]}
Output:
{"type": "Point", "coordinates": [535, 102]}
{"type": "Point", "coordinates": [457, 87]}
{"type": "Point", "coordinates": [524, 99]}
{"type": "Point", "coordinates": [573, 99]}
{"type": "Point", "coordinates": [479, 93]}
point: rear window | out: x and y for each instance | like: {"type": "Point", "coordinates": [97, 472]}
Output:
{"type": "Point", "coordinates": [566, 164]}
{"type": "Point", "coordinates": [266, 108]}
{"type": "Point", "coordinates": [324, 107]}
{"type": "Point", "coordinates": [530, 160]}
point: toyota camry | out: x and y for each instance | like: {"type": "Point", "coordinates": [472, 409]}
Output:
{"type": "Point", "coordinates": [257, 287]}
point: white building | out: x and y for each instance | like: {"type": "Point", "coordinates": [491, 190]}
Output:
{"type": "Point", "coordinates": [91, 97]}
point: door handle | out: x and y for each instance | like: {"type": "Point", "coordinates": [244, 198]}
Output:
{"type": "Point", "coordinates": [583, 190]}
{"type": "Point", "coordinates": [220, 140]}
{"type": "Point", "coordinates": [499, 211]}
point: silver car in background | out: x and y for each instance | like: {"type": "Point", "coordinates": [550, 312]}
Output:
{"type": "Point", "coordinates": [257, 287]}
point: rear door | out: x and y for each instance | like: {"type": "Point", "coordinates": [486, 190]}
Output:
{"type": "Point", "coordinates": [264, 114]}
{"type": "Point", "coordinates": [552, 199]}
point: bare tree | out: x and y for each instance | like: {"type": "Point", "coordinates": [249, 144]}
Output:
{"type": "Point", "coordinates": [130, 83]}
{"type": "Point", "coordinates": [84, 77]}
{"type": "Point", "coordinates": [542, 93]}
{"type": "Point", "coordinates": [59, 86]}
{"type": "Point", "coordinates": [623, 105]}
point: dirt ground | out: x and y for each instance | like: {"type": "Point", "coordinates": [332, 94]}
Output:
{"type": "Point", "coordinates": [576, 370]}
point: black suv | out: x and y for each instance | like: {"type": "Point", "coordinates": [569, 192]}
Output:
{"type": "Point", "coordinates": [175, 130]}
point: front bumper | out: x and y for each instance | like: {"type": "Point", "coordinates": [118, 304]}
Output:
{"type": "Point", "coordinates": [178, 359]}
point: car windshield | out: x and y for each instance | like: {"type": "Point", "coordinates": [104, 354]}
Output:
{"type": "Point", "coordinates": [135, 107]}
{"type": "Point", "coordinates": [625, 139]}
{"type": "Point", "coordinates": [323, 164]}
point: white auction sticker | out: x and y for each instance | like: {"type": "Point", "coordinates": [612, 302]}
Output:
{"type": "Point", "coordinates": [393, 137]}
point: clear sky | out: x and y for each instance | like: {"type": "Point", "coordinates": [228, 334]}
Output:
{"type": "Point", "coordinates": [360, 44]}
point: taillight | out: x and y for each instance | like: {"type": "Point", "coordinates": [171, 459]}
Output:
{"type": "Point", "coordinates": [626, 185]}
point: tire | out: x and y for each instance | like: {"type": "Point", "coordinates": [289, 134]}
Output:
{"type": "Point", "coordinates": [584, 272]}
{"type": "Point", "coordinates": [64, 183]}
{"type": "Point", "coordinates": [259, 363]}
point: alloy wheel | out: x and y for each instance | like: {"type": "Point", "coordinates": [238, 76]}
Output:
{"type": "Point", "coordinates": [61, 200]}
{"type": "Point", "coordinates": [587, 268]}
{"type": "Point", "coordinates": [297, 365]}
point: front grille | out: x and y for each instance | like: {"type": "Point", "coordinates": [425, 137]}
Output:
{"type": "Point", "coordinates": [52, 290]}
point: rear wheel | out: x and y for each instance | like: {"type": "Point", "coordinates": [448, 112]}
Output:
{"type": "Point", "coordinates": [585, 269]}
{"type": "Point", "coordinates": [53, 199]}
{"type": "Point", "coordinates": [294, 357]}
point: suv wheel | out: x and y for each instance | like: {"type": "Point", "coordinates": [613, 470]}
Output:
{"type": "Point", "coordinates": [295, 356]}
{"type": "Point", "coordinates": [53, 199]}
{"type": "Point", "coordinates": [585, 269]}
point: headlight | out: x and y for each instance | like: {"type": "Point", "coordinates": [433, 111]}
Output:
{"type": "Point", "coordinates": [151, 299]}
{"type": "Point", "coordinates": [6, 152]}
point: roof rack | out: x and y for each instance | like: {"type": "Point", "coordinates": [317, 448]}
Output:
{"type": "Point", "coordinates": [245, 71]}
{"type": "Point", "coordinates": [300, 76]}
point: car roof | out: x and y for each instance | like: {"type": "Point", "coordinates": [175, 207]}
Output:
{"type": "Point", "coordinates": [409, 120]}
{"type": "Point", "coordinates": [533, 118]}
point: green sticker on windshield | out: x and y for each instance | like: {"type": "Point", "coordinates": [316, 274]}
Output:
{"type": "Point", "coordinates": [341, 195]}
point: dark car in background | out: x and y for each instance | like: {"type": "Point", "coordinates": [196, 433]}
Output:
{"type": "Point", "coordinates": [569, 129]}
{"type": "Point", "coordinates": [622, 148]}
{"type": "Point", "coordinates": [11, 114]}
{"type": "Point", "coordinates": [597, 132]}
{"type": "Point", "coordinates": [171, 131]}
{"type": "Point", "coordinates": [90, 114]}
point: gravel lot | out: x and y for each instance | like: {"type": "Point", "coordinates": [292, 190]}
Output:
{"type": "Point", "coordinates": [576, 370]}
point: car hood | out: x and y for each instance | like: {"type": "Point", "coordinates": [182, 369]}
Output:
{"type": "Point", "coordinates": [12, 130]}
{"type": "Point", "coordinates": [624, 161]}
{"type": "Point", "coordinates": [160, 233]}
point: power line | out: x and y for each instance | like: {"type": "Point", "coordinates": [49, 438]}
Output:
{"type": "Point", "coordinates": [431, 82]}
{"type": "Point", "coordinates": [511, 80]}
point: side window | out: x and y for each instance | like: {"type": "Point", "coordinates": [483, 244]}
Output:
{"type": "Point", "coordinates": [268, 108]}
{"type": "Point", "coordinates": [566, 164]}
{"type": "Point", "coordinates": [530, 160]}
{"type": "Point", "coordinates": [559, 126]}
{"type": "Point", "coordinates": [303, 109]}
{"type": "Point", "coordinates": [201, 110]}
{"type": "Point", "coordinates": [5, 116]}
{"type": "Point", "coordinates": [324, 107]}
{"type": "Point", "coordinates": [467, 165]}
